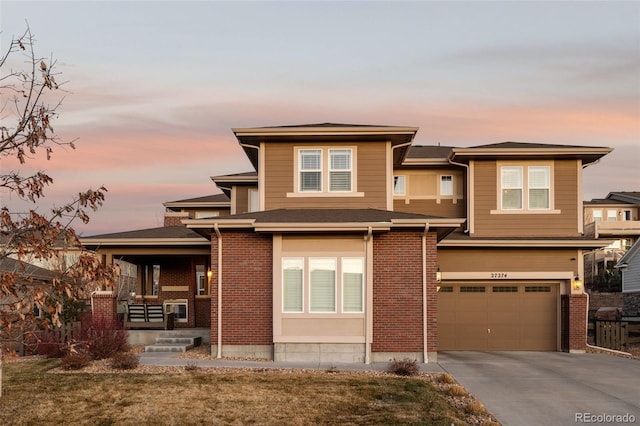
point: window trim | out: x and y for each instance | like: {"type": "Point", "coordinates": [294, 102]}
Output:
{"type": "Point", "coordinates": [404, 185]}
{"type": "Point", "coordinates": [451, 183]}
{"type": "Point", "coordinates": [599, 216]}
{"type": "Point", "coordinates": [614, 217]}
{"type": "Point", "coordinates": [325, 172]}
{"type": "Point", "coordinates": [525, 209]}
{"type": "Point", "coordinates": [306, 293]}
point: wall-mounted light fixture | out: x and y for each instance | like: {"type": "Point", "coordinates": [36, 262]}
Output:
{"type": "Point", "coordinates": [577, 283]}
{"type": "Point", "coordinates": [438, 276]}
{"type": "Point", "coordinates": [209, 275]}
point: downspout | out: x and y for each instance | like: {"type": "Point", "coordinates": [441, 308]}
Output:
{"type": "Point", "coordinates": [219, 351]}
{"type": "Point", "coordinates": [368, 307]}
{"type": "Point", "coordinates": [469, 200]}
{"type": "Point", "coordinates": [425, 352]}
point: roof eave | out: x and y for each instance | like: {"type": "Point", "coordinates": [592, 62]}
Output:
{"type": "Point", "coordinates": [476, 242]}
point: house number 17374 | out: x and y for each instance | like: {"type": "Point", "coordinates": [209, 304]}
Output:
{"type": "Point", "coordinates": [498, 275]}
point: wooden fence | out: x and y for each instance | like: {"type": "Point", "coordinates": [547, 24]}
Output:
{"type": "Point", "coordinates": [616, 334]}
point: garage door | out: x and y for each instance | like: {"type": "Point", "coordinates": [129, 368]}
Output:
{"type": "Point", "coordinates": [495, 317]}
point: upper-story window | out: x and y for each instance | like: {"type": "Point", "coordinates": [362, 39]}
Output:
{"type": "Point", "coordinates": [446, 185]}
{"type": "Point", "coordinates": [612, 215]}
{"type": "Point", "coordinates": [339, 170]}
{"type": "Point", "coordinates": [597, 215]}
{"type": "Point", "coordinates": [325, 172]}
{"type": "Point", "coordinates": [626, 214]}
{"type": "Point", "coordinates": [525, 188]}
{"type": "Point", "coordinates": [511, 187]}
{"type": "Point", "coordinates": [539, 187]}
{"type": "Point", "coordinates": [310, 170]}
{"type": "Point", "coordinates": [399, 183]}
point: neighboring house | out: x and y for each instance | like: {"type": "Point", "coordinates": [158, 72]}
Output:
{"type": "Point", "coordinates": [629, 266]}
{"type": "Point", "coordinates": [615, 217]}
{"type": "Point", "coordinates": [349, 243]}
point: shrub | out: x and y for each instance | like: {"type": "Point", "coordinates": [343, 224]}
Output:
{"type": "Point", "coordinates": [474, 408]}
{"type": "Point", "coordinates": [403, 367]}
{"type": "Point", "coordinates": [106, 339]}
{"type": "Point", "coordinates": [76, 356]}
{"type": "Point", "coordinates": [191, 366]}
{"type": "Point", "coordinates": [124, 360]}
{"type": "Point", "coordinates": [457, 390]}
{"type": "Point", "coordinates": [446, 378]}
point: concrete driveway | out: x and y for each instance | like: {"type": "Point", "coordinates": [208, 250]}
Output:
{"type": "Point", "coordinates": [550, 388]}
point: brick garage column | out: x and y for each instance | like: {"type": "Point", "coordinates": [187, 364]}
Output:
{"type": "Point", "coordinates": [578, 323]}
{"type": "Point", "coordinates": [104, 307]}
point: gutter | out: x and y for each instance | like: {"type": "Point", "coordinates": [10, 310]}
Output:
{"type": "Point", "coordinates": [425, 352]}
{"type": "Point", "coordinates": [217, 231]}
{"type": "Point", "coordinates": [469, 198]}
{"type": "Point", "coordinates": [368, 320]}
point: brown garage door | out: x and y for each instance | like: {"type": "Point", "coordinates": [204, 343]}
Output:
{"type": "Point", "coordinates": [498, 317]}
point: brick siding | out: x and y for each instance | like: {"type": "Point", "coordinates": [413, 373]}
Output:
{"type": "Point", "coordinates": [247, 291]}
{"type": "Point", "coordinates": [578, 322]}
{"type": "Point", "coordinates": [104, 309]}
{"type": "Point", "coordinates": [397, 292]}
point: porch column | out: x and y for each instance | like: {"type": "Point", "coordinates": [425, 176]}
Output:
{"type": "Point", "coordinates": [104, 308]}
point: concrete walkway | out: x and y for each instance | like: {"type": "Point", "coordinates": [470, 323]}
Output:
{"type": "Point", "coordinates": [550, 388]}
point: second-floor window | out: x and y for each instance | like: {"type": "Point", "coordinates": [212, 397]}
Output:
{"type": "Point", "coordinates": [310, 170]}
{"type": "Point", "coordinates": [612, 215]}
{"type": "Point", "coordinates": [525, 188]}
{"type": "Point", "coordinates": [597, 215]}
{"type": "Point", "coordinates": [446, 185]}
{"type": "Point", "coordinates": [339, 170]}
{"type": "Point", "coordinates": [323, 170]}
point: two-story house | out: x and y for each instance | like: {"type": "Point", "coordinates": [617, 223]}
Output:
{"type": "Point", "coordinates": [615, 217]}
{"type": "Point", "coordinates": [349, 243]}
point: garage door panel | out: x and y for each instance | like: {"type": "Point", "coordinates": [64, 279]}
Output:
{"type": "Point", "coordinates": [520, 316]}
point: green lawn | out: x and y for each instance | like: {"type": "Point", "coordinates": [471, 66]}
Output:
{"type": "Point", "coordinates": [32, 394]}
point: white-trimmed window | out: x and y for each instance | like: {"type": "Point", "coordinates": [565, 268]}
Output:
{"type": "Point", "coordinates": [526, 188]}
{"type": "Point", "coordinates": [612, 215]}
{"type": "Point", "coordinates": [399, 185]}
{"type": "Point", "coordinates": [340, 170]}
{"type": "Point", "coordinates": [205, 214]}
{"type": "Point", "coordinates": [292, 284]}
{"type": "Point", "coordinates": [352, 284]}
{"type": "Point", "coordinates": [597, 215]}
{"type": "Point", "coordinates": [539, 187]}
{"type": "Point", "coordinates": [322, 284]}
{"type": "Point", "coordinates": [446, 185]}
{"type": "Point", "coordinates": [511, 187]}
{"type": "Point", "coordinates": [310, 166]}
{"type": "Point", "coordinates": [201, 280]}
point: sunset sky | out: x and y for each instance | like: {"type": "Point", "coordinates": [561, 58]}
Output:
{"type": "Point", "coordinates": [155, 87]}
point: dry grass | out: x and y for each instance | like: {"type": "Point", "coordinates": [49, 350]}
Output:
{"type": "Point", "coordinates": [216, 396]}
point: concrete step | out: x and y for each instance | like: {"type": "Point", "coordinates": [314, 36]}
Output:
{"type": "Point", "coordinates": [174, 343]}
{"type": "Point", "coordinates": [168, 347]}
{"type": "Point", "coordinates": [172, 340]}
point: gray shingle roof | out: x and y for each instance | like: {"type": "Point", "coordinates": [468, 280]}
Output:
{"type": "Point", "coordinates": [164, 232]}
{"type": "Point", "coordinates": [325, 216]}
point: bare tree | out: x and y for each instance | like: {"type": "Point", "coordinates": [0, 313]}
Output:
{"type": "Point", "coordinates": [30, 98]}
